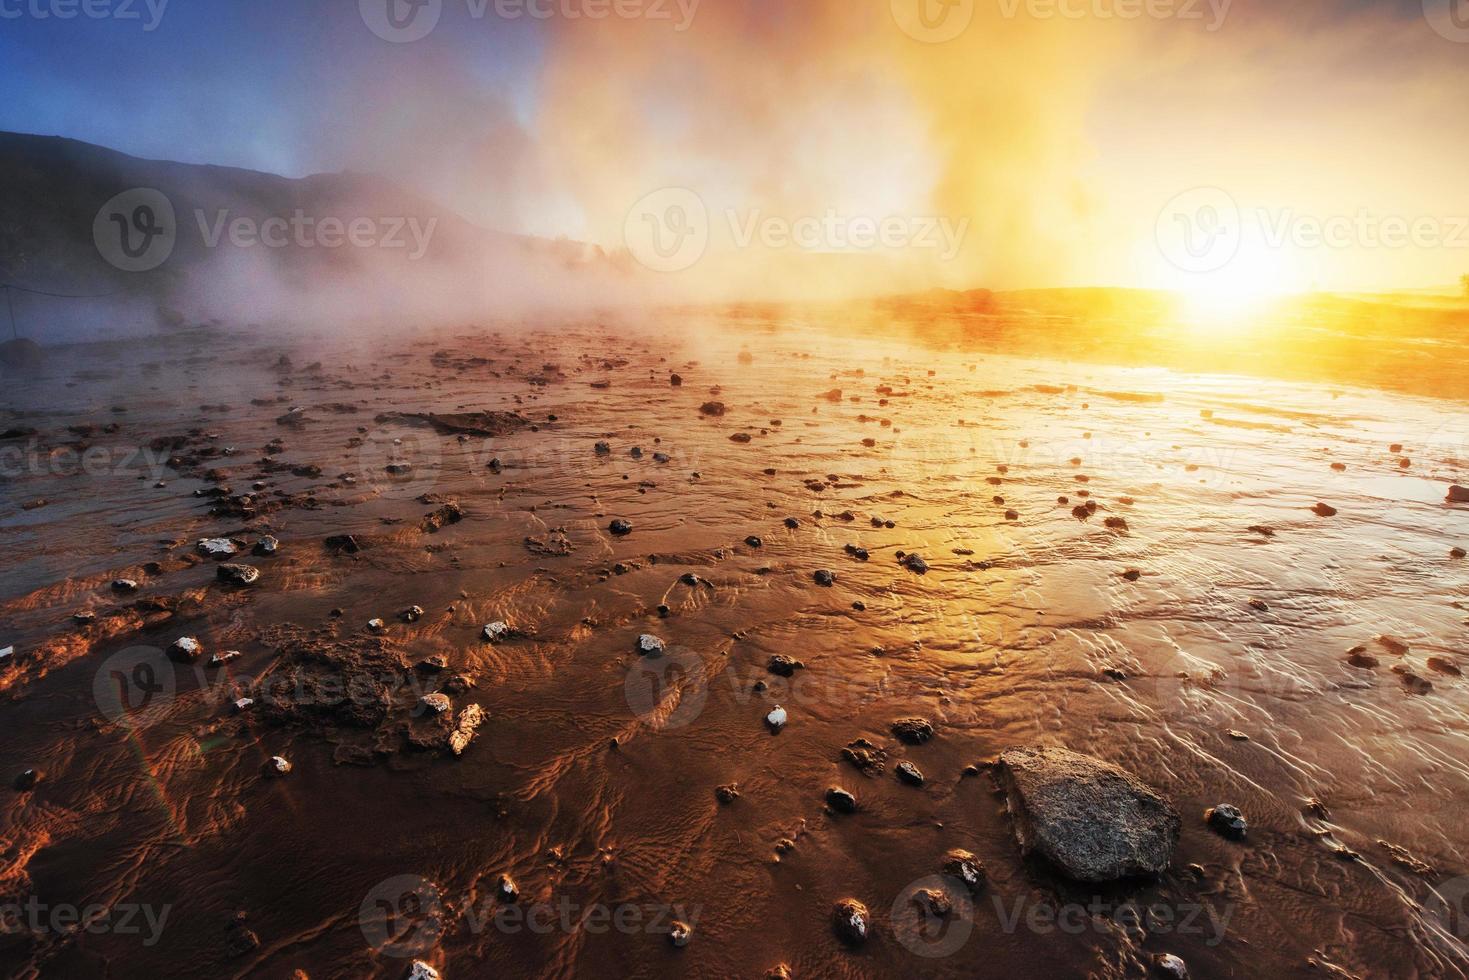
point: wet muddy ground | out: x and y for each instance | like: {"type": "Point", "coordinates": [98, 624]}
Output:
{"type": "Point", "coordinates": [1203, 625]}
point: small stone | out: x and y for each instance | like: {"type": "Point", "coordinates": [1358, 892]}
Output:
{"type": "Point", "coordinates": [650, 645]}
{"type": "Point", "coordinates": [783, 666]}
{"type": "Point", "coordinates": [849, 918]}
{"type": "Point", "coordinates": [965, 868]}
{"type": "Point", "coordinates": [778, 972]}
{"type": "Point", "coordinates": [1237, 736]}
{"type": "Point", "coordinates": [7, 654]}
{"type": "Point", "coordinates": [422, 971]}
{"type": "Point", "coordinates": [934, 903]}
{"type": "Point", "coordinates": [497, 632]}
{"type": "Point", "coordinates": [469, 721]}
{"type": "Point", "coordinates": [124, 585]}
{"type": "Point", "coordinates": [437, 703]}
{"type": "Point", "coordinates": [914, 731]}
{"type": "Point", "coordinates": [244, 704]}
{"type": "Point", "coordinates": [412, 614]}
{"type": "Point", "coordinates": [83, 618]}
{"type": "Point", "coordinates": [840, 800]}
{"type": "Point", "coordinates": [185, 650]}
{"type": "Point", "coordinates": [915, 564]}
{"type": "Point", "coordinates": [792, 523]}
{"type": "Point", "coordinates": [727, 794]}
{"type": "Point", "coordinates": [376, 625]}
{"type": "Point", "coordinates": [776, 719]}
{"type": "Point", "coordinates": [216, 547]}
{"type": "Point", "coordinates": [603, 449]}
{"type": "Point", "coordinates": [620, 528]}
{"type": "Point", "coordinates": [909, 774]}
{"type": "Point", "coordinates": [1324, 510]}
{"type": "Point", "coordinates": [680, 934]}
{"type": "Point", "coordinates": [1458, 553]}
{"type": "Point", "coordinates": [267, 545]}
{"type": "Point", "coordinates": [1458, 495]}
{"type": "Point", "coordinates": [712, 408]}
{"type": "Point", "coordinates": [28, 780]}
{"type": "Point", "coordinates": [220, 659]}
{"type": "Point", "coordinates": [825, 578]}
{"type": "Point", "coordinates": [242, 575]}
{"type": "Point", "coordinates": [754, 542]}
{"type": "Point", "coordinates": [1168, 965]}
{"type": "Point", "coordinates": [279, 765]}
{"type": "Point", "coordinates": [1227, 821]}
{"type": "Point", "coordinates": [506, 890]}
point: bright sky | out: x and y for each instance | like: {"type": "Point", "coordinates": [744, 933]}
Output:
{"type": "Point", "coordinates": [1226, 147]}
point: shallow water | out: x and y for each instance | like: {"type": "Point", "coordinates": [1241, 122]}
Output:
{"type": "Point", "coordinates": [350, 870]}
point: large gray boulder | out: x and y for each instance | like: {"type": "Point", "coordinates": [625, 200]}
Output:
{"type": "Point", "coordinates": [1091, 820]}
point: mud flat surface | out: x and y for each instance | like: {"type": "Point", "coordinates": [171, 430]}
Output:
{"type": "Point", "coordinates": [1237, 590]}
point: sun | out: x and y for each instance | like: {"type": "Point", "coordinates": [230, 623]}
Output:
{"type": "Point", "coordinates": [1233, 298]}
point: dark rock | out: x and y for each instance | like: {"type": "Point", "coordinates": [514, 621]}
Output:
{"type": "Point", "coordinates": [1094, 821]}
{"type": "Point", "coordinates": [840, 800]}
{"type": "Point", "coordinates": [784, 666]}
{"type": "Point", "coordinates": [727, 794]}
{"type": "Point", "coordinates": [915, 564]}
{"type": "Point", "coordinates": [792, 523]}
{"type": "Point", "coordinates": [1458, 495]}
{"type": "Point", "coordinates": [343, 542]}
{"type": "Point", "coordinates": [712, 408]}
{"type": "Point", "coordinates": [232, 574]}
{"type": "Point", "coordinates": [754, 542]}
{"type": "Point", "coordinates": [267, 545]}
{"type": "Point", "coordinates": [1227, 821]}
{"type": "Point", "coordinates": [850, 919]}
{"type": "Point", "coordinates": [825, 578]}
{"type": "Point", "coordinates": [450, 513]}
{"type": "Point", "coordinates": [620, 528]}
{"type": "Point", "coordinates": [867, 757]}
{"type": "Point", "coordinates": [1324, 510]}
{"type": "Point", "coordinates": [914, 731]}
{"type": "Point", "coordinates": [28, 780]}
{"type": "Point", "coordinates": [185, 650]}
{"type": "Point", "coordinates": [506, 890]}
{"type": "Point", "coordinates": [965, 868]}
{"type": "Point", "coordinates": [909, 773]}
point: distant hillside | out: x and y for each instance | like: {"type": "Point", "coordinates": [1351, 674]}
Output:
{"type": "Point", "coordinates": [52, 191]}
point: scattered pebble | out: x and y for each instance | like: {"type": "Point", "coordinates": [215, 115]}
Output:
{"type": "Point", "coordinates": [776, 719]}
{"type": "Point", "coordinates": [849, 918]}
{"type": "Point", "coordinates": [650, 645]}
{"type": "Point", "coordinates": [1227, 821]}
{"type": "Point", "coordinates": [186, 650]}
{"type": "Point", "coordinates": [909, 773]}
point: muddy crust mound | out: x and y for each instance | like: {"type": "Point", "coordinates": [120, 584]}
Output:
{"type": "Point", "coordinates": [486, 424]}
{"type": "Point", "coordinates": [1090, 819]}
